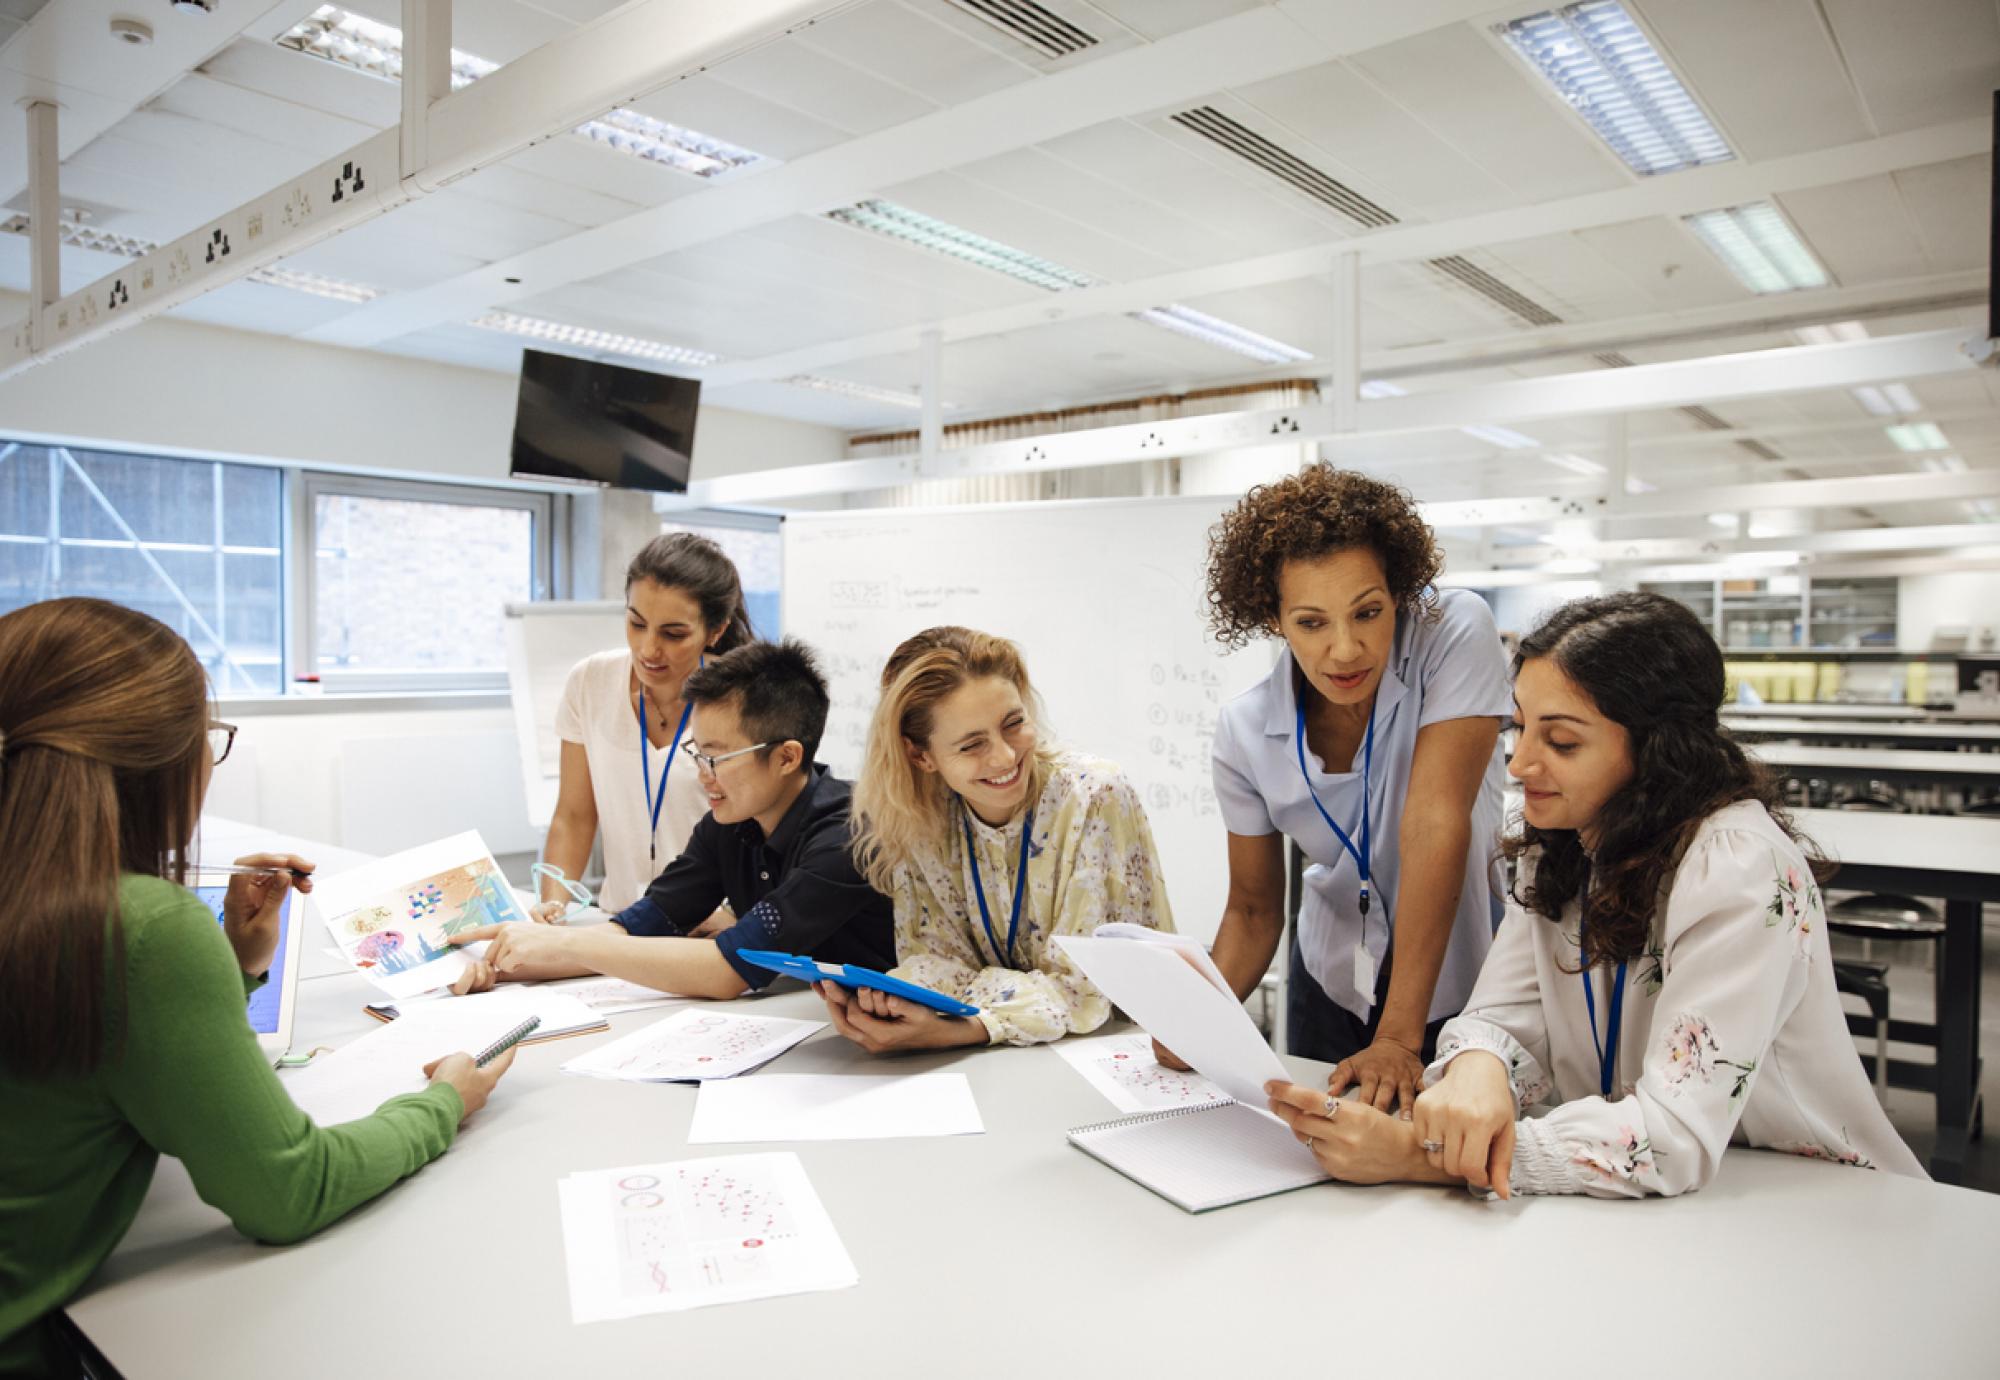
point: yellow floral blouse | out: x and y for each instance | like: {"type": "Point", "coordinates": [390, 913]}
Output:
{"type": "Point", "coordinates": [1091, 861]}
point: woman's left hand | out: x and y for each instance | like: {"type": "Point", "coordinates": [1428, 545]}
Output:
{"type": "Point", "coordinates": [252, 904]}
{"type": "Point", "coordinates": [1388, 1073]}
{"type": "Point", "coordinates": [1356, 1143]}
{"type": "Point", "coordinates": [885, 1024]}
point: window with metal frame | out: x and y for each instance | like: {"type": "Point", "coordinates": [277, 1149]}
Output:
{"type": "Point", "coordinates": [407, 583]}
{"type": "Point", "coordinates": [752, 542]}
{"type": "Point", "coordinates": [196, 543]}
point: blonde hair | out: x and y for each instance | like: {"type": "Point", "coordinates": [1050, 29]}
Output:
{"type": "Point", "coordinates": [899, 808]}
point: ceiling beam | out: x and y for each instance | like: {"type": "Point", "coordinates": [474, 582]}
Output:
{"type": "Point", "coordinates": [1683, 193]}
{"type": "Point", "coordinates": [1241, 49]}
{"type": "Point", "coordinates": [1870, 491]}
{"type": "Point", "coordinates": [554, 88]}
{"type": "Point", "coordinates": [1846, 541]}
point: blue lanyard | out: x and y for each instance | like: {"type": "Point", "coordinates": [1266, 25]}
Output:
{"type": "Point", "coordinates": [1020, 883]}
{"type": "Point", "coordinates": [1607, 1049]}
{"type": "Point", "coordinates": [1364, 855]}
{"type": "Point", "coordinates": [654, 805]}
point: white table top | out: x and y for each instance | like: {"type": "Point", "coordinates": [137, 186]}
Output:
{"type": "Point", "coordinates": [1938, 843]}
{"type": "Point", "coordinates": [976, 1252]}
{"type": "Point", "coordinates": [1983, 764]}
{"type": "Point", "coordinates": [1971, 731]}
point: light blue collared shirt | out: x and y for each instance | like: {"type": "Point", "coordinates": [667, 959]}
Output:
{"type": "Point", "coordinates": [1454, 668]}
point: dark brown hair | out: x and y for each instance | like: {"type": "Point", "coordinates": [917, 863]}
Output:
{"type": "Point", "coordinates": [684, 561]}
{"type": "Point", "coordinates": [1303, 517]}
{"type": "Point", "coordinates": [104, 713]}
{"type": "Point", "coordinates": [1650, 666]}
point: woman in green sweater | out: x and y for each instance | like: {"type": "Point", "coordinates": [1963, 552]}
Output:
{"type": "Point", "coordinates": [122, 1029]}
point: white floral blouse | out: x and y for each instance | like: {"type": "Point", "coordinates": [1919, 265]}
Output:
{"type": "Point", "coordinates": [1091, 861]}
{"type": "Point", "coordinates": [1732, 1031]}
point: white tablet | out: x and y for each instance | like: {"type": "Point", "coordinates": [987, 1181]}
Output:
{"type": "Point", "coordinates": [271, 1005]}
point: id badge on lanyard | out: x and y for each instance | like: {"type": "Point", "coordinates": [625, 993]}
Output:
{"type": "Point", "coordinates": [1364, 962]}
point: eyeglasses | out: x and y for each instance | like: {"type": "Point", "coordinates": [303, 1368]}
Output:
{"type": "Point", "coordinates": [707, 763]}
{"type": "Point", "coordinates": [221, 738]}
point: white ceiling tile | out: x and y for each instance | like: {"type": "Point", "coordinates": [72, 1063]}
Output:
{"type": "Point", "coordinates": [1859, 230]}
{"type": "Point", "coordinates": [1471, 93]}
{"type": "Point", "coordinates": [1726, 52]}
{"type": "Point", "coordinates": [1948, 202]}
{"type": "Point", "coordinates": [816, 84]}
{"type": "Point", "coordinates": [1919, 62]}
{"type": "Point", "coordinates": [714, 107]}
{"type": "Point", "coordinates": [909, 49]}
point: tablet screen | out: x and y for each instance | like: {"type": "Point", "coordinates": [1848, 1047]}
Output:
{"type": "Point", "coordinates": [265, 1000]}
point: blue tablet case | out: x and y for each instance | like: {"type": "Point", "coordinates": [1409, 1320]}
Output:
{"type": "Point", "coordinates": [852, 975]}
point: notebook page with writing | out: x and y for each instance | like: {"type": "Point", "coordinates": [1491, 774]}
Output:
{"type": "Point", "coordinates": [1203, 1157]}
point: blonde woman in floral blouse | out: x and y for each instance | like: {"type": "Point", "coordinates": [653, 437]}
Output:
{"type": "Point", "coordinates": [1665, 976]}
{"type": "Point", "coordinates": [991, 843]}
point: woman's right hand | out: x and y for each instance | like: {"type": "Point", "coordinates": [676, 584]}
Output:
{"type": "Point", "coordinates": [474, 1084]}
{"type": "Point", "coordinates": [1470, 1113]}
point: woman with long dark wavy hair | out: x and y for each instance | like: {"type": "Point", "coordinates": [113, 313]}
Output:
{"type": "Point", "coordinates": [122, 1034]}
{"type": "Point", "coordinates": [1665, 973]}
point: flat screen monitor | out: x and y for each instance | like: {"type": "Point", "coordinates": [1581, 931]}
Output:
{"type": "Point", "coordinates": [603, 424]}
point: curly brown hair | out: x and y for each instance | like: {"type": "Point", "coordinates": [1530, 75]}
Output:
{"type": "Point", "coordinates": [1305, 516]}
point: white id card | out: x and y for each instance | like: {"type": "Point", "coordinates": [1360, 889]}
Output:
{"type": "Point", "coordinates": [1364, 973]}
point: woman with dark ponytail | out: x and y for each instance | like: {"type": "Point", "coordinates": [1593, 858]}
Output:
{"type": "Point", "coordinates": [122, 1028]}
{"type": "Point", "coordinates": [1664, 975]}
{"type": "Point", "coordinates": [622, 721]}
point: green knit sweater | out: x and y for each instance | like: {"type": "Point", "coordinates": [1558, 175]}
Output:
{"type": "Point", "coordinates": [184, 1076]}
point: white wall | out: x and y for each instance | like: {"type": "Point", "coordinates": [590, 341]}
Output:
{"type": "Point", "coordinates": [1959, 598]}
{"type": "Point", "coordinates": [179, 385]}
{"type": "Point", "coordinates": [1518, 608]}
{"type": "Point", "coordinates": [323, 773]}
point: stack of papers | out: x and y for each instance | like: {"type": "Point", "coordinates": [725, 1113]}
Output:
{"type": "Point", "coordinates": [692, 1046]}
{"type": "Point", "coordinates": [610, 995]}
{"type": "Point", "coordinates": [660, 1238]}
{"type": "Point", "coordinates": [360, 1076]}
{"type": "Point", "coordinates": [779, 1106]}
{"type": "Point", "coordinates": [560, 1012]}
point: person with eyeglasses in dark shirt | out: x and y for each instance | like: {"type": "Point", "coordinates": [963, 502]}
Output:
{"type": "Point", "coordinates": [775, 846]}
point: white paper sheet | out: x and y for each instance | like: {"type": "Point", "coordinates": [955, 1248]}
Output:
{"type": "Point", "coordinates": [392, 917]}
{"type": "Point", "coordinates": [611, 995]}
{"type": "Point", "coordinates": [1123, 1068]}
{"type": "Point", "coordinates": [1184, 944]}
{"type": "Point", "coordinates": [560, 1012]}
{"type": "Point", "coordinates": [1164, 993]}
{"type": "Point", "coordinates": [660, 1238]}
{"type": "Point", "coordinates": [360, 1076]}
{"type": "Point", "coordinates": [694, 1045]}
{"type": "Point", "coordinates": [813, 1106]}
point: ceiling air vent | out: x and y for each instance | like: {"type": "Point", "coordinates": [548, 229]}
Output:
{"type": "Point", "coordinates": [1469, 274]}
{"type": "Point", "coordinates": [1043, 30]}
{"type": "Point", "coordinates": [1213, 125]}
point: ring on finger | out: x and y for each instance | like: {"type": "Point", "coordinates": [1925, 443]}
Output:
{"type": "Point", "coordinates": [1432, 1147]}
{"type": "Point", "coordinates": [1330, 1110]}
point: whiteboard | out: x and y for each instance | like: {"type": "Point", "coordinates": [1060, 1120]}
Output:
{"type": "Point", "coordinates": [544, 641]}
{"type": "Point", "coordinates": [1105, 599]}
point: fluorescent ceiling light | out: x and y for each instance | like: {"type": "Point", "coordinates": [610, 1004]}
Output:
{"type": "Point", "coordinates": [1726, 521]}
{"type": "Point", "coordinates": [1605, 68]}
{"type": "Point", "coordinates": [364, 45]}
{"type": "Point", "coordinates": [1635, 485]}
{"type": "Point", "coordinates": [1833, 333]}
{"type": "Point", "coordinates": [1760, 247]}
{"type": "Point", "coordinates": [1917, 436]}
{"type": "Point", "coordinates": [1983, 508]}
{"type": "Point", "coordinates": [864, 392]}
{"type": "Point", "coordinates": [1502, 437]}
{"type": "Point", "coordinates": [1875, 400]}
{"type": "Point", "coordinates": [1944, 464]}
{"type": "Point", "coordinates": [585, 338]}
{"type": "Point", "coordinates": [1214, 330]}
{"type": "Point", "coordinates": [132, 247]}
{"type": "Point", "coordinates": [927, 232]}
{"type": "Point", "coordinates": [1572, 565]}
{"type": "Point", "coordinates": [941, 237]}
{"type": "Point", "coordinates": [1575, 464]}
{"type": "Point", "coordinates": [1499, 436]}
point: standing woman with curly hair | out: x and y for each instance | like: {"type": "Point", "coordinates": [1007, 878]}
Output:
{"type": "Point", "coordinates": [1666, 976]}
{"type": "Point", "coordinates": [1371, 746]}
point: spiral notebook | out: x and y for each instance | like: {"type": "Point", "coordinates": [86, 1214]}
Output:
{"type": "Point", "coordinates": [1203, 1157]}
